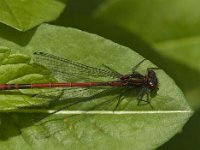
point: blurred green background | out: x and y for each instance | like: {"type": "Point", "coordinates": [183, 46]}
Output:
{"type": "Point", "coordinates": [164, 31]}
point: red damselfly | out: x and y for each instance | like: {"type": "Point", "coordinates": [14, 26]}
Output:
{"type": "Point", "coordinates": [68, 69]}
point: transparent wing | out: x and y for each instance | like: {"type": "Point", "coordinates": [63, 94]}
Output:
{"type": "Point", "coordinates": [64, 68]}
{"type": "Point", "coordinates": [61, 94]}
{"type": "Point", "coordinates": [99, 100]}
{"type": "Point", "coordinates": [79, 98]}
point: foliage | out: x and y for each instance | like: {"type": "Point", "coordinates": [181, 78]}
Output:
{"type": "Point", "coordinates": [163, 32]}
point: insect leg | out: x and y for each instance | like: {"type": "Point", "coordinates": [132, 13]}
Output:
{"type": "Point", "coordinates": [149, 98]}
{"type": "Point", "coordinates": [136, 66]}
{"type": "Point", "coordinates": [141, 95]}
{"type": "Point", "coordinates": [120, 98]}
{"type": "Point", "coordinates": [118, 102]}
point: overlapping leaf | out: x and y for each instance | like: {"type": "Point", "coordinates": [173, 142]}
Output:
{"type": "Point", "coordinates": [26, 14]}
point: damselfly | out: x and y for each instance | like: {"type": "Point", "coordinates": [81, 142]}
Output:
{"type": "Point", "coordinates": [145, 84]}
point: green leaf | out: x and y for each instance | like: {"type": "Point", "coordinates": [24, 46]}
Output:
{"type": "Point", "coordinates": [26, 14]}
{"type": "Point", "coordinates": [138, 131]}
{"type": "Point", "coordinates": [99, 129]}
